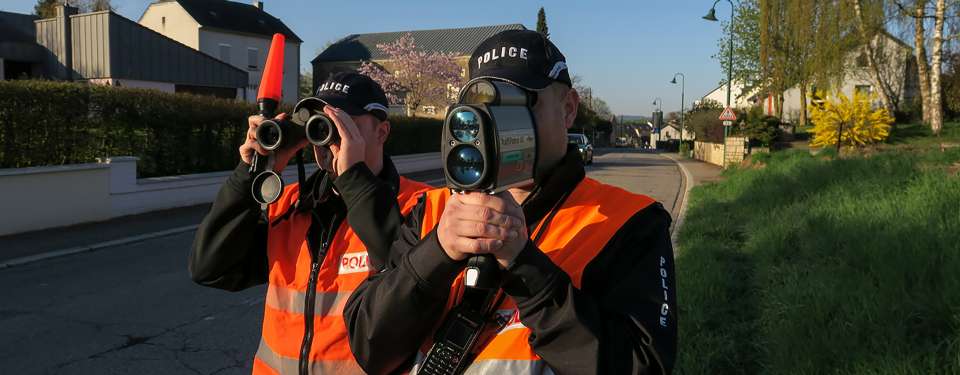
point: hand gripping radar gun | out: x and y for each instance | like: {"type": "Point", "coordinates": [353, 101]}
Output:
{"type": "Point", "coordinates": [488, 145]}
{"type": "Point", "coordinates": [308, 121]}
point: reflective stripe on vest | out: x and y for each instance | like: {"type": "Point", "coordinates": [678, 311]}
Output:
{"type": "Point", "coordinates": [579, 230]}
{"type": "Point", "coordinates": [343, 268]}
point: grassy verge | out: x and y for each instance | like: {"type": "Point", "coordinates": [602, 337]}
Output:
{"type": "Point", "coordinates": [816, 265]}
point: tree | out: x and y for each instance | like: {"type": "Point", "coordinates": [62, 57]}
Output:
{"type": "Point", "coordinates": [418, 77]}
{"type": "Point", "coordinates": [48, 8]}
{"type": "Point", "coordinates": [869, 18]}
{"type": "Point", "coordinates": [542, 23]}
{"type": "Point", "coordinates": [936, 104]}
{"type": "Point", "coordinates": [306, 84]}
{"type": "Point", "coordinates": [918, 12]}
{"type": "Point", "coordinates": [746, 43]}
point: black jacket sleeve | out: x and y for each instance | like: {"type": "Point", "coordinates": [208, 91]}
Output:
{"type": "Point", "coordinates": [372, 211]}
{"type": "Point", "coordinates": [230, 248]}
{"type": "Point", "coordinates": [392, 313]}
{"type": "Point", "coordinates": [621, 320]}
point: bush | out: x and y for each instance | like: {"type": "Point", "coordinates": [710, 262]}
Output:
{"type": "Point", "coordinates": [413, 135]}
{"type": "Point", "coordinates": [860, 124]}
{"type": "Point", "coordinates": [51, 123]}
{"type": "Point", "coordinates": [54, 123]}
{"type": "Point", "coordinates": [818, 265]}
{"type": "Point", "coordinates": [759, 127]}
{"type": "Point", "coordinates": [705, 125]}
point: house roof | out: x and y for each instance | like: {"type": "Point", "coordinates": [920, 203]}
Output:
{"type": "Point", "coordinates": [234, 16]}
{"type": "Point", "coordinates": [461, 41]}
{"type": "Point", "coordinates": [16, 27]}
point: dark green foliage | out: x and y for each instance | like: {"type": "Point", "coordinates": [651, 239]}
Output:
{"type": "Point", "coordinates": [413, 135]}
{"type": "Point", "coordinates": [51, 123]}
{"type": "Point", "coordinates": [54, 123]}
{"type": "Point", "coordinates": [542, 23]}
{"type": "Point", "coordinates": [759, 127]}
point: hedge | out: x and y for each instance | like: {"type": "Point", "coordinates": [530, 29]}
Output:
{"type": "Point", "coordinates": [55, 123]}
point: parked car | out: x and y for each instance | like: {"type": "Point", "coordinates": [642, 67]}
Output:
{"type": "Point", "coordinates": [583, 145]}
{"type": "Point", "coordinates": [621, 142]}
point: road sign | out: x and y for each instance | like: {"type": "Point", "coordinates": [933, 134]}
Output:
{"type": "Point", "coordinates": [727, 123]}
{"type": "Point", "coordinates": [728, 115]}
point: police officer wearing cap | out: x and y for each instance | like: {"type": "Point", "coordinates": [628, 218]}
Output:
{"type": "Point", "coordinates": [588, 276]}
{"type": "Point", "coordinates": [302, 247]}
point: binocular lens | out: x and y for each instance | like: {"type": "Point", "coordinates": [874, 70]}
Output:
{"type": "Point", "coordinates": [321, 131]}
{"type": "Point", "coordinates": [465, 165]}
{"type": "Point", "coordinates": [269, 135]}
{"type": "Point", "coordinates": [465, 125]}
{"type": "Point", "coordinates": [267, 187]}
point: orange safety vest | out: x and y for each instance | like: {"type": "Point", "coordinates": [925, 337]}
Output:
{"type": "Point", "coordinates": [581, 227]}
{"type": "Point", "coordinates": [342, 269]}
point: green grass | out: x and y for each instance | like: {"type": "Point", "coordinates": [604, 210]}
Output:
{"type": "Point", "coordinates": [919, 134]}
{"type": "Point", "coordinates": [816, 265]}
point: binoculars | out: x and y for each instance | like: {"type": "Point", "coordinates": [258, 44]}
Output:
{"type": "Point", "coordinates": [308, 121]}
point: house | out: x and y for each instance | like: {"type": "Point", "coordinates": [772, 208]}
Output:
{"type": "Point", "coordinates": [108, 49]}
{"type": "Point", "coordinates": [737, 99]}
{"type": "Point", "coordinates": [672, 131]}
{"type": "Point", "coordinates": [20, 55]}
{"type": "Point", "coordinates": [348, 53]}
{"type": "Point", "coordinates": [236, 33]}
{"type": "Point", "coordinates": [897, 66]}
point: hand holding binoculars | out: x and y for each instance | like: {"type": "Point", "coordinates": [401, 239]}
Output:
{"type": "Point", "coordinates": [308, 121]}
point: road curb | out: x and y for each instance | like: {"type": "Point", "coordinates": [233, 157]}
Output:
{"type": "Point", "coordinates": [94, 247]}
{"type": "Point", "coordinates": [688, 184]}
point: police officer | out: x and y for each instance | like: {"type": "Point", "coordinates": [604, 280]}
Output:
{"type": "Point", "coordinates": [310, 257]}
{"type": "Point", "coordinates": [588, 267]}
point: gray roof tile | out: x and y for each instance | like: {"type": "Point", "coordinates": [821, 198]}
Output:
{"type": "Point", "coordinates": [461, 41]}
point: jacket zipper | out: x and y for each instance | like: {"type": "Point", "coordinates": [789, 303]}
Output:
{"type": "Point", "coordinates": [310, 298]}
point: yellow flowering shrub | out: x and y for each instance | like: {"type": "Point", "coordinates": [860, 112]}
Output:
{"type": "Point", "coordinates": [860, 124]}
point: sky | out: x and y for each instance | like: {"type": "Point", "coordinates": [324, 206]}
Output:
{"type": "Point", "coordinates": [626, 51]}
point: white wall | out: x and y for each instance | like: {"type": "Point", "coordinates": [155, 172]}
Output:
{"type": "Point", "coordinates": [131, 83]}
{"type": "Point", "coordinates": [48, 197]}
{"type": "Point", "coordinates": [210, 41]}
{"type": "Point", "coordinates": [179, 25]}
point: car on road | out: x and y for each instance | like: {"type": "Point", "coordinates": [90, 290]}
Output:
{"type": "Point", "coordinates": [583, 145]}
{"type": "Point", "coordinates": [621, 142]}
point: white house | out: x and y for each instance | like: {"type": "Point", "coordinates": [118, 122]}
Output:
{"type": "Point", "coordinates": [896, 65]}
{"type": "Point", "coordinates": [737, 99]}
{"type": "Point", "coordinates": [236, 33]}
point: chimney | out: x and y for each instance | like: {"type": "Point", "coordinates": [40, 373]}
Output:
{"type": "Point", "coordinates": [258, 4]}
{"type": "Point", "coordinates": [66, 38]}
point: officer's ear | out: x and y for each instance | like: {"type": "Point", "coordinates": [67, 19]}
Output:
{"type": "Point", "coordinates": [381, 130]}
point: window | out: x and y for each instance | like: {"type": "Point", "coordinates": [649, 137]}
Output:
{"type": "Point", "coordinates": [863, 89]}
{"type": "Point", "coordinates": [163, 22]}
{"type": "Point", "coordinates": [862, 60]}
{"type": "Point", "coordinates": [225, 53]}
{"type": "Point", "coordinates": [253, 58]}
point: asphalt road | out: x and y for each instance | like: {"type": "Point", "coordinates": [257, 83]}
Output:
{"type": "Point", "coordinates": [132, 309]}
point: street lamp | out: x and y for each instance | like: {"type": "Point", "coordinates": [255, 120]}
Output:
{"type": "Point", "coordinates": [712, 16]}
{"type": "Point", "coordinates": [682, 89]}
{"type": "Point", "coordinates": [658, 100]}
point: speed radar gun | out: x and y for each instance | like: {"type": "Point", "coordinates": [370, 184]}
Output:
{"type": "Point", "coordinates": [308, 121]}
{"type": "Point", "coordinates": [488, 145]}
